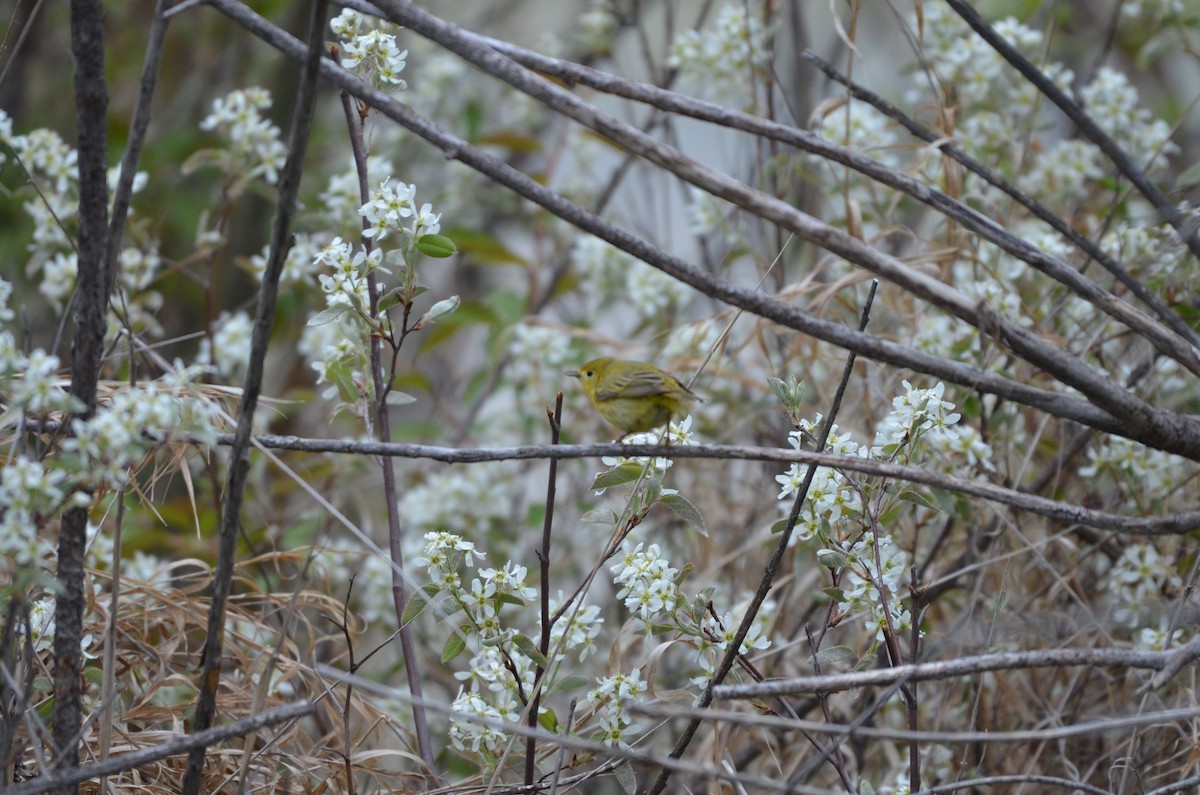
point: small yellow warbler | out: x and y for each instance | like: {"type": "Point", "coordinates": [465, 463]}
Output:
{"type": "Point", "coordinates": [633, 396]}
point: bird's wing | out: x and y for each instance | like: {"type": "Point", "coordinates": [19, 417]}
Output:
{"type": "Point", "coordinates": [635, 385]}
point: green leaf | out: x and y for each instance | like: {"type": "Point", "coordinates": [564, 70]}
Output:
{"type": "Point", "coordinates": [416, 605]}
{"type": "Point", "coordinates": [686, 511]}
{"type": "Point", "coordinates": [832, 558]}
{"type": "Point", "coordinates": [527, 647]}
{"type": "Point", "coordinates": [390, 299]}
{"type": "Point", "coordinates": [571, 682]}
{"type": "Point", "coordinates": [833, 654]}
{"type": "Point", "coordinates": [626, 778]}
{"type": "Point", "coordinates": [866, 663]}
{"type": "Point", "coordinates": [779, 526]}
{"type": "Point", "coordinates": [600, 516]}
{"type": "Point", "coordinates": [436, 246]}
{"type": "Point", "coordinates": [511, 141]}
{"type": "Point", "coordinates": [623, 473]}
{"type": "Point", "coordinates": [395, 398]}
{"type": "Point", "coordinates": [455, 645]}
{"type": "Point", "coordinates": [328, 315]}
{"type": "Point", "coordinates": [836, 594]}
{"type": "Point", "coordinates": [917, 498]}
{"type": "Point", "coordinates": [483, 248]}
{"type": "Point", "coordinates": [509, 599]}
{"type": "Point", "coordinates": [548, 721]}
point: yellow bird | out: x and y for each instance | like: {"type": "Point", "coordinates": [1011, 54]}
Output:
{"type": "Point", "coordinates": [633, 396]}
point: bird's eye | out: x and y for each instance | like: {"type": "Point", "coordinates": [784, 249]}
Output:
{"type": "Point", "coordinates": [589, 373]}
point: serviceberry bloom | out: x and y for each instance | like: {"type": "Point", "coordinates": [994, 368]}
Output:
{"type": "Point", "coordinates": [229, 349]}
{"type": "Point", "coordinates": [721, 57]}
{"type": "Point", "coordinates": [38, 390]}
{"type": "Point", "coordinates": [1112, 101]}
{"type": "Point", "coordinates": [647, 581]}
{"type": "Point", "coordinates": [369, 49]}
{"type": "Point", "coordinates": [612, 696]}
{"type": "Point", "coordinates": [1142, 574]}
{"type": "Point", "coordinates": [467, 733]}
{"type": "Point", "coordinates": [537, 352]}
{"type": "Point", "coordinates": [916, 411]}
{"type": "Point", "coordinates": [254, 146]}
{"type": "Point", "coordinates": [442, 554]}
{"type": "Point", "coordinates": [580, 631]}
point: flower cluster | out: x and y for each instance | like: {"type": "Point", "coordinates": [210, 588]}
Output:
{"type": "Point", "coordinates": [1131, 465]}
{"type": "Point", "coordinates": [253, 146]}
{"type": "Point", "coordinates": [500, 676]}
{"type": "Point", "coordinates": [831, 495]}
{"type": "Point", "coordinates": [726, 55]}
{"type": "Point", "coordinates": [538, 355]}
{"type": "Point", "coordinates": [109, 444]}
{"type": "Point", "coordinates": [1113, 103]}
{"type": "Point", "coordinates": [678, 434]}
{"type": "Point", "coordinates": [393, 209]}
{"type": "Point", "coordinates": [716, 634]}
{"type": "Point", "coordinates": [611, 698]}
{"type": "Point", "coordinates": [835, 510]}
{"type": "Point", "coordinates": [646, 581]}
{"type": "Point", "coordinates": [606, 271]}
{"type": "Point", "coordinates": [52, 166]}
{"type": "Point", "coordinates": [864, 577]}
{"type": "Point", "coordinates": [369, 48]}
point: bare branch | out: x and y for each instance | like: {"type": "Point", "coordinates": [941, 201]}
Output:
{"type": "Point", "coordinates": [963, 666]}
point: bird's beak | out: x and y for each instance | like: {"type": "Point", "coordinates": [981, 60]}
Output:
{"type": "Point", "coordinates": [572, 373]}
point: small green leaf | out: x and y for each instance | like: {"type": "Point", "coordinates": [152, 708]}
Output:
{"type": "Point", "coordinates": [600, 516]}
{"type": "Point", "coordinates": [548, 721]}
{"type": "Point", "coordinates": [509, 599]}
{"type": "Point", "coordinates": [867, 662]}
{"type": "Point", "coordinates": [455, 645]}
{"type": "Point", "coordinates": [836, 594]}
{"type": "Point", "coordinates": [617, 475]}
{"type": "Point", "coordinates": [779, 526]}
{"type": "Point", "coordinates": [483, 248]}
{"type": "Point", "coordinates": [437, 246]}
{"type": "Point", "coordinates": [686, 511]}
{"type": "Point", "coordinates": [917, 498]}
{"type": "Point", "coordinates": [834, 654]}
{"type": "Point", "coordinates": [328, 315]}
{"type": "Point", "coordinates": [396, 398]}
{"type": "Point", "coordinates": [571, 682]}
{"type": "Point", "coordinates": [416, 605]}
{"type": "Point", "coordinates": [626, 778]}
{"type": "Point", "coordinates": [527, 647]}
{"type": "Point", "coordinates": [832, 558]}
{"type": "Point", "coordinates": [390, 299]}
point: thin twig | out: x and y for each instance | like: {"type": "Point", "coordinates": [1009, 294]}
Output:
{"type": "Point", "coordinates": [181, 744]}
{"type": "Point", "coordinates": [555, 419]}
{"type": "Point", "coordinates": [1000, 661]}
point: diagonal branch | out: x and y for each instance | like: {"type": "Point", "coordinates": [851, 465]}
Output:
{"type": "Point", "coordinates": [1097, 386]}
{"type": "Point", "coordinates": [1181, 345]}
{"type": "Point", "coordinates": [1163, 430]}
{"type": "Point", "coordinates": [1112, 150]}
